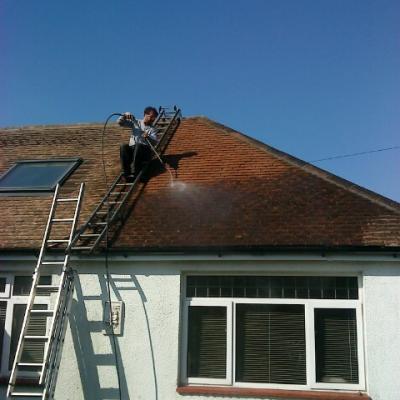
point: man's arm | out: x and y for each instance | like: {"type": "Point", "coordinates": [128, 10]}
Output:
{"type": "Point", "coordinates": [126, 119]}
{"type": "Point", "coordinates": [152, 134]}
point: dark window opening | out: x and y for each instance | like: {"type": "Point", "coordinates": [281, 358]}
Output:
{"type": "Point", "coordinates": [23, 284]}
{"type": "Point", "coordinates": [3, 282]}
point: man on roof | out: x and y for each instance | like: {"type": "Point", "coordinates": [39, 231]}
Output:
{"type": "Point", "coordinates": [138, 151]}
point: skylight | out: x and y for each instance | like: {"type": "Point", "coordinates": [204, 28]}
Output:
{"type": "Point", "coordinates": [37, 175]}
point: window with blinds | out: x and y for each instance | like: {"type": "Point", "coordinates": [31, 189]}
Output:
{"type": "Point", "coordinates": [14, 292]}
{"type": "Point", "coordinates": [336, 345]}
{"type": "Point", "coordinates": [273, 331]}
{"type": "Point", "coordinates": [206, 355]}
{"type": "Point", "coordinates": [270, 343]}
{"type": "Point", "coordinates": [3, 310]}
{"type": "Point", "coordinates": [33, 351]}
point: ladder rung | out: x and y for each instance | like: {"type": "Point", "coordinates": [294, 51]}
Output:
{"type": "Point", "coordinates": [114, 202]}
{"type": "Point", "coordinates": [52, 262]}
{"type": "Point", "coordinates": [66, 200]}
{"type": "Point", "coordinates": [37, 338]}
{"type": "Point", "coordinates": [81, 248]}
{"type": "Point", "coordinates": [25, 364]}
{"type": "Point", "coordinates": [62, 220]}
{"type": "Point", "coordinates": [125, 184]}
{"type": "Point", "coordinates": [102, 212]}
{"type": "Point", "coordinates": [27, 394]}
{"type": "Point", "coordinates": [47, 287]}
{"type": "Point", "coordinates": [42, 312]}
{"type": "Point", "coordinates": [89, 235]}
{"type": "Point", "coordinates": [99, 223]}
{"type": "Point", "coordinates": [58, 241]}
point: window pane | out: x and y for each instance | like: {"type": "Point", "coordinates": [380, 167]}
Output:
{"type": "Point", "coordinates": [33, 351]}
{"type": "Point", "coordinates": [23, 284]}
{"type": "Point", "coordinates": [288, 287]}
{"type": "Point", "coordinates": [270, 344]}
{"type": "Point", "coordinates": [42, 175]}
{"type": "Point", "coordinates": [336, 345]}
{"type": "Point", "coordinates": [3, 282]}
{"type": "Point", "coordinates": [207, 342]}
{"type": "Point", "coordinates": [3, 309]}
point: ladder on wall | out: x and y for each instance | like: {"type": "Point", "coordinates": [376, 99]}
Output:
{"type": "Point", "coordinates": [63, 217]}
{"type": "Point", "coordinates": [111, 208]}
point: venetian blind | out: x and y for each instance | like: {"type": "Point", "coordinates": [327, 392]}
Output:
{"type": "Point", "coordinates": [3, 310]}
{"type": "Point", "coordinates": [336, 345]}
{"type": "Point", "coordinates": [33, 351]}
{"type": "Point", "coordinates": [207, 342]}
{"type": "Point", "coordinates": [270, 343]}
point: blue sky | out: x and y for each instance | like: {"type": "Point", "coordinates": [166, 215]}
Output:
{"type": "Point", "coordinates": [313, 78]}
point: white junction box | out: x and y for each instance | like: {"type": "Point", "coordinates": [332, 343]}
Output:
{"type": "Point", "coordinates": [114, 320]}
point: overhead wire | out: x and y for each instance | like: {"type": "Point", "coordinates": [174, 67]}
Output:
{"type": "Point", "coordinates": [355, 154]}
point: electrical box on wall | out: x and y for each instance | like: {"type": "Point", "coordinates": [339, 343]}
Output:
{"type": "Point", "coordinates": [114, 317]}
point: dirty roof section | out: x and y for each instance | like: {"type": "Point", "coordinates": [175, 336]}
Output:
{"type": "Point", "coordinates": [228, 192]}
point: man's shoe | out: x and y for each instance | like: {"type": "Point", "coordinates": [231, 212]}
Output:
{"type": "Point", "coordinates": [129, 178]}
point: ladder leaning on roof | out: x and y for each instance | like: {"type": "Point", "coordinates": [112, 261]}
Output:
{"type": "Point", "coordinates": [46, 370]}
{"type": "Point", "coordinates": [111, 208]}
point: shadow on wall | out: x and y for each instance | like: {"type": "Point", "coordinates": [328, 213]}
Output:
{"type": "Point", "coordinates": [87, 325]}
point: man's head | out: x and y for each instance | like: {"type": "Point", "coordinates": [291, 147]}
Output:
{"type": "Point", "coordinates": [150, 115]}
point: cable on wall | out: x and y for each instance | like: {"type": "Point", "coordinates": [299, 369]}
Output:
{"type": "Point", "coordinates": [108, 276]}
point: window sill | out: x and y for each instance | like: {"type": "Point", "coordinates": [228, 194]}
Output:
{"type": "Point", "coordinates": [267, 393]}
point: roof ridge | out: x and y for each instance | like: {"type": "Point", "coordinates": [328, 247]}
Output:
{"type": "Point", "coordinates": [370, 195]}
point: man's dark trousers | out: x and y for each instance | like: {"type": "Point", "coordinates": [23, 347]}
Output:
{"type": "Point", "coordinates": [139, 154]}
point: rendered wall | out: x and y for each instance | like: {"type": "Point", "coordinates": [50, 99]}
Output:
{"type": "Point", "coordinates": [148, 349]}
{"type": "Point", "coordinates": [382, 326]}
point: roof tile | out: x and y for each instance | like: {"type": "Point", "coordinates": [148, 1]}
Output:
{"type": "Point", "coordinates": [228, 191]}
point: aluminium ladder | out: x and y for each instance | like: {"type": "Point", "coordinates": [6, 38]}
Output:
{"type": "Point", "coordinates": [45, 372]}
{"type": "Point", "coordinates": [110, 211]}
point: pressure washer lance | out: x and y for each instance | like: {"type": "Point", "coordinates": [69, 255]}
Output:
{"type": "Point", "coordinates": [159, 158]}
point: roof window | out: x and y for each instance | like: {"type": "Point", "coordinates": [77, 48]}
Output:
{"type": "Point", "coordinates": [37, 175]}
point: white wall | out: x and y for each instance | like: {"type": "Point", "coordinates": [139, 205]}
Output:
{"type": "Point", "coordinates": [382, 326]}
{"type": "Point", "coordinates": [148, 349]}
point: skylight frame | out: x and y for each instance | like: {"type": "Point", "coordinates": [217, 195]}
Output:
{"type": "Point", "coordinates": [74, 163]}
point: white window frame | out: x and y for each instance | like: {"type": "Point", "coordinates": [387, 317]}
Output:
{"type": "Point", "coordinates": [225, 302]}
{"type": "Point", "coordinates": [309, 306]}
{"type": "Point", "coordinates": [11, 302]}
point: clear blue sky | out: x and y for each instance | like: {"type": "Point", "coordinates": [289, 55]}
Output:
{"type": "Point", "coordinates": [313, 78]}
